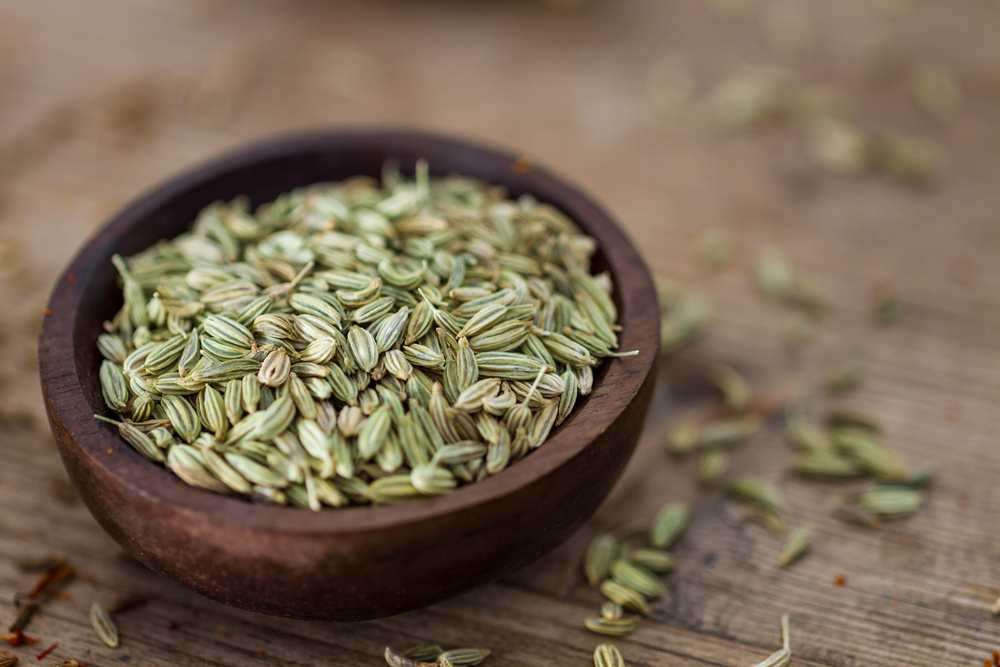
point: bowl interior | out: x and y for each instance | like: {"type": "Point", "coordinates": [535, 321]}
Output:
{"type": "Point", "coordinates": [262, 172]}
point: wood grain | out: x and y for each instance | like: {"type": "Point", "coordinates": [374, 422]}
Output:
{"type": "Point", "coordinates": [104, 99]}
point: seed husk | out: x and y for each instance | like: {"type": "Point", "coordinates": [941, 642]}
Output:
{"type": "Point", "coordinates": [104, 626]}
{"type": "Point", "coordinates": [669, 524]}
{"type": "Point", "coordinates": [394, 659]}
{"type": "Point", "coordinates": [783, 655]}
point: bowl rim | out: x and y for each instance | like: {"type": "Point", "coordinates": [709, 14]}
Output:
{"type": "Point", "coordinates": [66, 400]}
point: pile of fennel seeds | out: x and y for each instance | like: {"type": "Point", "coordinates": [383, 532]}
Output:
{"type": "Point", "coordinates": [356, 342]}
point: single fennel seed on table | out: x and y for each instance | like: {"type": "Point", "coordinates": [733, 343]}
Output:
{"type": "Point", "coordinates": [104, 626]}
{"type": "Point", "coordinates": [608, 655]}
{"type": "Point", "coordinates": [669, 524]}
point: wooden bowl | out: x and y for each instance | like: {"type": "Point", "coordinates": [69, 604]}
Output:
{"type": "Point", "coordinates": [354, 563]}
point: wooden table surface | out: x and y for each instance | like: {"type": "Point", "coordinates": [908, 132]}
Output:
{"type": "Point", "coordinates": [103, 99]}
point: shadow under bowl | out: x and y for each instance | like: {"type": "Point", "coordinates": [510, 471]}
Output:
{"type": "Point", "coordinates": [359, 562]}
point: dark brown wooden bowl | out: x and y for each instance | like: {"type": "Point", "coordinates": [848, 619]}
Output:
{"type": "Point", "coordinates": [355, 563]}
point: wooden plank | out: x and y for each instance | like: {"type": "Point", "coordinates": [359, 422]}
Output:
{"type": "Point", "coordinates": [103, 100]}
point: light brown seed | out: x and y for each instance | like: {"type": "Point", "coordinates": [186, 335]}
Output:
{"type": "Point", "coordinates": [104, 626]}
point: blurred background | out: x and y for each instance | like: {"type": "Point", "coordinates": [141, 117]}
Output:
{"type": "Point", "coordinates": [858, 138]}
{"type": "Point", "coordinates": [680, 116]}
